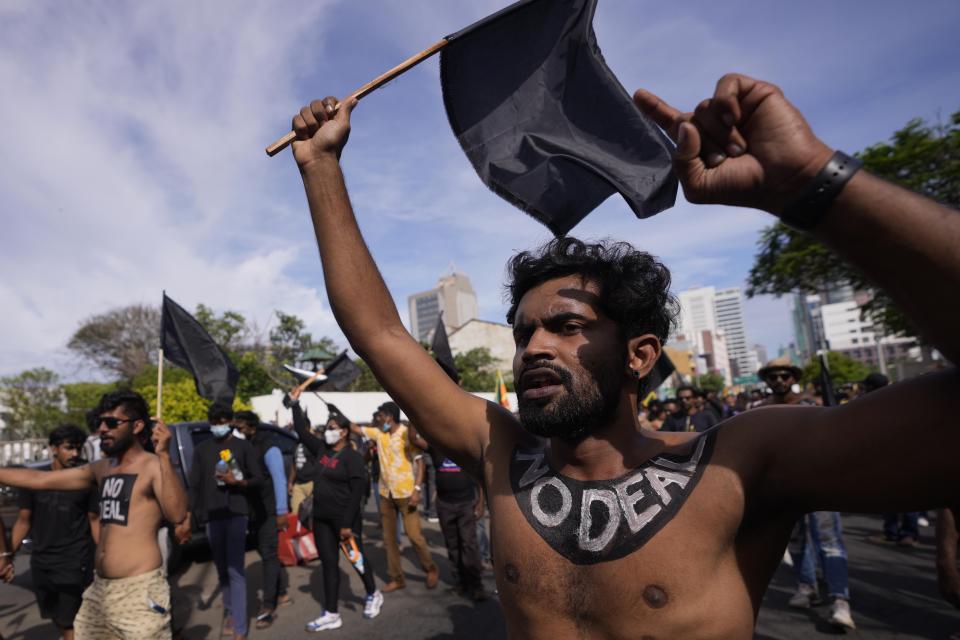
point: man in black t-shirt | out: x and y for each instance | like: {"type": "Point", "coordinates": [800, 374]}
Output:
{"type": "Point", "coordinates": [64, 526]}
{"type": "Point", "coordinates": [458, 507]}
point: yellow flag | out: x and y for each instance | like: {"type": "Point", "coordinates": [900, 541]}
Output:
{"type": "Point", "coordinates": [501, 392]}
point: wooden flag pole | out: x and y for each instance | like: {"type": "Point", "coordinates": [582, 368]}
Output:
{"type": "Point", "coordinates": [160, 383]}
{"type": "Point", "coordinates": [306, 383]}
{"type": "Point", "coordinates": [376, 83]}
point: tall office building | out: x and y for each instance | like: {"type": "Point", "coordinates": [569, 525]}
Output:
{"type": "Point", "coordinates": [729, 308]}
{"type": "Point", "coordinates": [453, 295]}
{"type": "Point", "coordinates": [699, 325]}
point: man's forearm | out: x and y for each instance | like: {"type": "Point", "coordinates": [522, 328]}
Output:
{"type": "Point", "coordinates": [66, 480]}
{"type": "Point", "coordinates": [173, 499]}
{"type": "Point", "coordinates": [908, 245]}
{"type": "Point", "coordinates": [348, 266]}
{"type": "Point", "coordinates": [21, 527]}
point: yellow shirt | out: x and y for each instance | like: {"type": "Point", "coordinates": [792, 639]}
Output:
{"type": "Point", "coordinates": [396, 461]}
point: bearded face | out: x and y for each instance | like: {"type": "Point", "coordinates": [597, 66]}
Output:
{"type": "Point", "coordinates": [555, 403]}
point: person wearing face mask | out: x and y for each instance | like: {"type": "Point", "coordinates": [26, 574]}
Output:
{"type": "Point", "coordinates": [219, 499]}
{"type": "Point", "coordinates": [338, 486]}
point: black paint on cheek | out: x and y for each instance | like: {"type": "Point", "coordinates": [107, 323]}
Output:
{"type": "Point", "coordinates": [655, 596]}
{"type": "Point", "coordinates": [512, 574]}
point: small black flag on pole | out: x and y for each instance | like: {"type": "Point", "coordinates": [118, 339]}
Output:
{"type": "Point", "coordinates": [826, 382]}
{"type": "Point", "coordinates": [544, 121]}
{"type": "Point", "coordinates": [440, 345]}
{"type": "Point", "coordinates": [187, 344]}
{"type": "Point", "coordinates": [341, 372]}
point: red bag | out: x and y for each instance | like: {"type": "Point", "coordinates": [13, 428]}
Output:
{"type": "Point", "coordinates": [296, 544]}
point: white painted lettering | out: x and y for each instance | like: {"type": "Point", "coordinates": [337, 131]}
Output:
{"type": "Point", "coordinates": [550, 519]}
{"type": "Point", "coordinates": [608, 499]}
{"type": "Point", "coordinates": [628, 502]}
{"type": "Point", "coordinates": [660, 480]}
{"type": "Point", "coordinates": [536, 469]}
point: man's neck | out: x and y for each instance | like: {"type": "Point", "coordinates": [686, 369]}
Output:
{"type": "Point", "coordinates": [608, 452]}
{"type": "Point", "coordinates": [129, 454]}
{"type": "Point", "coordinates": [394, 427]}
{"type": "Point", "coordinates": [56, 466]}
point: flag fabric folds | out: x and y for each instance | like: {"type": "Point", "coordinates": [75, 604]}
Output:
{"type": "Point", "coordinates": [440, 345]}
{"type": "Point", "coordinates": [187, 344]}
{"type": "Point", "coordinates": [662, 370]}
{"type": "Point", "coordinates": [544, 121]}
{"type": "Point", "coordinates": [341, 373]}
{"type": "Point", "coordinates": [502, 399]}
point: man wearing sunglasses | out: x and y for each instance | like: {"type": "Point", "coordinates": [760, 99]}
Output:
{"type": "Point", "coordinates": [138, 491]}
{"type": "Point", "coordinates": [781, 374]}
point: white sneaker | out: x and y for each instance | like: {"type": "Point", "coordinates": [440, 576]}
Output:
{"type": "Point", "coordinates": [371, 606]}
{"type": "Point", "coordinates": [804, 597]}
{"type": "Point", "coordinates": [324, 622]}
{"type": "Point", "coordinates": [923, 522]}
{"type": "Point", "coordinates": [840, 614]}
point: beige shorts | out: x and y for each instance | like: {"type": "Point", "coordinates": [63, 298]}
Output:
{"type": "Point", "coordinates": [135, 608]}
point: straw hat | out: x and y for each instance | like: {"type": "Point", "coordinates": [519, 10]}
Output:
{"type": "Point", "coordinates": [780, 364]}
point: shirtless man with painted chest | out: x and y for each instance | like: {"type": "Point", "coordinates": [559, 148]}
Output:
{"type": "Point", "coordinates": [130, 597]}
{"type": "Point", "coordinates": [602, 530]}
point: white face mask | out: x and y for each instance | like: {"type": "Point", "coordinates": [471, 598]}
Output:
{"type": "Point", "coordinates": [332, 436]}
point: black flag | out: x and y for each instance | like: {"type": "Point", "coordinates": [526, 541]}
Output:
{"type": "Point", "coordinates": [187, 344]}
{"type": "Point", "coordinates": [826, 383]}
{"type": "Point", "coordinates": [440, 345]}
{"type": "Point", "coordinates": [661, 371]}
{"type": "Point", "coordinates": [341, 373]}
{"type": "Point", "coordinates": [544, 121]}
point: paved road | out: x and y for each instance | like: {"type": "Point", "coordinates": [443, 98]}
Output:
{"type": "Point", "coordinates": [894, 593]}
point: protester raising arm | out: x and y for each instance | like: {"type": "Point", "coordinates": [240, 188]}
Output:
{"type": "Point", "coordinates": [454, 420]}
{"type": "Point", "coordinates": [73, 479]}
{"type": "Point", "coordinates": [748, 146]}
{"type": "Point", "coordinates": [167, 486]}
{"type": "Point", "coordinates": [314, 445]}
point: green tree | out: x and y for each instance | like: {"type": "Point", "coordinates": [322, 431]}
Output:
{"type": "Point", "coordinates": [81, 397]}
{"type": "Point", "coordinates": [710, 382]}
{"type": "Point", "coordinates": [181, 402]}
{"type": "Point", "coordinates": [843, 369]}
{"type": "Point", "coordinates": [478, 370]}
{"type": "Point", "coordinates": [229, 329]}
{"type": "Point", "coordinates": [33, 401]}
{"type": "Point", "coordinates": [367, 381]}
{"type": "Point", "coordinates": [121, 341]}
{"type": "Point", "coordinates": [921, 157]}
{"type": "Point", "coordinates": [254, 379]}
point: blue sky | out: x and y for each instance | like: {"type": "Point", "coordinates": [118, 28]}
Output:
{"type": "Point", "coordinates": [134, 131]}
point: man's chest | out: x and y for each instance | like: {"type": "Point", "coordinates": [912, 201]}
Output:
{"type": "Point", "coordinates": [119, 491]}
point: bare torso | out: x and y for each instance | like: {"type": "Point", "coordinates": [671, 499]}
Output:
{"type": "Point", "coordinates": [701, 576]}
{"type": "Point", "coordinates": [130, 516]}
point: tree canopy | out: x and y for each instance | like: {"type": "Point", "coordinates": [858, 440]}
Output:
{"type": "Point", "coordinates": [923, 157]}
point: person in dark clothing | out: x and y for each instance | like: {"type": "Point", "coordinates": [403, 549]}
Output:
{"type": "Point", "coordinates": [268, 516]}
{"type": "Point", "coordinates": [338, 489]}
{"type": "Point", "coordinates": [459, 505]}
{"type": "Point", "coordinates": [64, 526]}
{"type": "Point", "coordinates": [687, 417]}
{"type": "Point", "coordinates": [219, 499]}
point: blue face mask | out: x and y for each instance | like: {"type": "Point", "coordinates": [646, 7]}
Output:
{"type": "Point", "coordinates": [220, 431]}
{"type": "Point", "coordinates": [385, 427]}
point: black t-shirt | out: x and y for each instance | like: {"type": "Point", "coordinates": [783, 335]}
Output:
{"type": "Point", "coordinates": [211, 500]}
{"type": "Point", "coordinates": [339, 482]}
{"type": "Point", "coordinates": [304, 465]}
{"type": "Point", "coordinates": [60, 529]}
{"type": "Point", "coordinates": [453, 483]}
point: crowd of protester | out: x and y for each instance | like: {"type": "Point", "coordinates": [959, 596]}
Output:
{"type": "Point", "coordinates": [239, 483]}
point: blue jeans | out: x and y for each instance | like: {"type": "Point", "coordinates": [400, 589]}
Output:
{"type": "Point", "coordinates": [897, 526]}
{"type": "Point", "coordinates": [227, 537]}
{"type": "Point", "coordinates": [818, 535]}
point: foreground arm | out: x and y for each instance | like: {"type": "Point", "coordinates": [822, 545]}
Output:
{"type": "Point", "coordinates": [74, 479]}
{"type": "Point", "coordinates": [21, 527]}
{"type": "Point", "coordinates": [457, 421]}
{"type": "Point", "coordinates": [906, 243]}
{"type": "Point", "coordinates": [6, 557]}
{"type": "Point", "coordinates": [167, 486]}
{"type": "Point", "coordinates": [948, 575]}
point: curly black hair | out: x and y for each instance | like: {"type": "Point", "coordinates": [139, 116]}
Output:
{"type": "Point", "coordinates": [634, 286]}
{"type": "Point", "coordinates": [132, 402]}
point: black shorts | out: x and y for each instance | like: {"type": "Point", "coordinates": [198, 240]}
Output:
{"type": "Point", "coordinates": [59, 599]}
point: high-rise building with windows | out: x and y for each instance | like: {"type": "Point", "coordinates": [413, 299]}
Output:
{"type": "Point", "coordinates": [729, 309]}
{"type": "Point", "coordinates": [453, 296]}
{"type": "Point", "coordinates": [700, 326]}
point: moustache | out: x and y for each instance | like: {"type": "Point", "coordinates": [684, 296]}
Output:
{"type": "Point", "coordinates": [566, 378]}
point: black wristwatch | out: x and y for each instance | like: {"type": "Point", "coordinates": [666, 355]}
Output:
{"type": "Point", "coordinates": [808, 210]}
